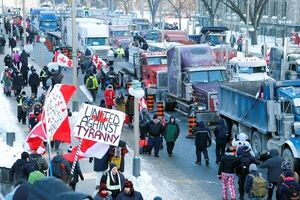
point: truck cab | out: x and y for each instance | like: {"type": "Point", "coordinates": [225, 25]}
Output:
{"type": "Point", "coordinates": [119, 35]}
{"type": "Point", "coordinates": [248, 69]}
{"type": "Point", "coordinates": [48, 21]}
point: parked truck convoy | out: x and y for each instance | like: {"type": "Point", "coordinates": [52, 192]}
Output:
{"type": "Point", "coordinates": [268, 112]}
{"type": "Point", "coordinates": [46, 21]}
{"type": "Point", "coordinates": [92, 35]}
{"type": "Point", "coordinates": [193, 81]}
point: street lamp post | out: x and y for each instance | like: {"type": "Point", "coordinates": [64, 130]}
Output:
{"type": "Point", "coordinates": [284, 30]}
{"type": "Point", "coordinates": [74, 54]}
{"type": "Point", "coordinates": [138, 93]}
{"type": "Point", "coordinates": [42, 40]}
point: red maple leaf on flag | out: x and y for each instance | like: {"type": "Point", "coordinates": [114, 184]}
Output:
{"type": "Point", "coordinates": [100, 117]}
{"type": "Point", "coordinates": [62, 59]}
{"type": "Point", "coordinates": [70, 63]}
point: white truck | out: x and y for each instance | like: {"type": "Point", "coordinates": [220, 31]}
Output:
{"type": "Point", "coordinates": [248, 69]}
{"type": "Point", "coordinates": [92, 35]}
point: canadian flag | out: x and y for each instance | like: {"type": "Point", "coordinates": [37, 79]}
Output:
{"type": "Point", "coordinates": [54, 122]}
{"type": "Point", "coordinates": [62, 60]}
{"type": "Point", "coordinates": [98, 62]}
{"type": "Point", "coordinates": [88, 149]}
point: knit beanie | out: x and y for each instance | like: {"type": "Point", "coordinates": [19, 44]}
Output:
{"type": "Point", "coordinates": [253, 167]}
{"type": "Point", "coordinates": [128, 184]}
{"type": "Point", "coordinates": [286, 165]}
{"type": "Point", "coordinates": [24, 155]}
{"type": "Point", "coordinates": [34, 176]}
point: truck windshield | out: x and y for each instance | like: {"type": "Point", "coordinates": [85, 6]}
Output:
{"type": "Point", "coordinates": [51, 24]}
{"type": "Point", "coordinates": [251, 70]}
{"type": "Point", "coordinates": [157, 61]}
{"type": "Point", "coordinates": [96, 41]}
{"type": "Point", "coordinates": [120, 33]}
{"type": "Point", "coordinates": [208, 76]}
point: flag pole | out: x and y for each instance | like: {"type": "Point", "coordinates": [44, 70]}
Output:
{"type": "Point", "coordinates": [76, 156]}
{"type": "Point", "coordinates": [48, 144]}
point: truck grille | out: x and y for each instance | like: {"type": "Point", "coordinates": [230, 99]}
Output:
{"type": "Point", "coordinates": [162, 80]}
{"type": "Point", "coordinates": [102, 53]}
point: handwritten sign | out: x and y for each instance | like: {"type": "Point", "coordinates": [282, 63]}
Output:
{"type": "Point", "coordinates": [55, 110]}
{"type": "Point", "coordinates": [99, 124]}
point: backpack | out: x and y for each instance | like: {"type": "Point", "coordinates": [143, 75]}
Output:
{"type": "Point", "coordinates": [292, 192]}
{"type": "Point", "coordinates": [59, 169]}
{"type": "Point", "coordinates": [259, 188]}
{"type": "Point", "coordinates": [244, 167]}
{"type": "Point", "coordinates": [90, 83]}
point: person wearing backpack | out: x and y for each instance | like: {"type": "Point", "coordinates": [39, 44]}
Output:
{"type": "Point", "coordinates": [242, 168]}
{"type": "Point", "coordinates": [255, 184]}
{"type": "Point", "coordinates": [41, 162]}
{"type": "Point", "coordinates": [226, 173]}
{"type": "Point", "coordinates": [60, 167]}
{"type": "Point", "coordinates": [290, 188]}
{"type": "Point", "coordinates": [221, 139]}
{"type": "Point", "coordinates": [273, 164]}
{"type": "Point", "coordinates": [92, 85]}
{"type": "Point", "coordinates": [286, 171]}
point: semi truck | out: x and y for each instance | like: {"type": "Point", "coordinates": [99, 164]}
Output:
{"type": "Point", "coordinates": [92, 35]}
{"type": "Point", "coordinates": [268, 112]}
{"type": "Point", "coordinates": [193, 81]}
{"type": "Point", "coordinates": [46, 21]}
{"type": "Point", "coordinates": [119, 35]}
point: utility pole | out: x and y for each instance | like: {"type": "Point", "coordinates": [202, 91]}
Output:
{"type": "Point", "coordinates": [142, 8]}
{"type": "Point", "coordinates": [2, 8]}
{"type": "Point", "coordinates": [24, 23]}
{"type": "Point", "coordinates": [74, 55]}
{"type": "Point", "coordinates": [247, 30]}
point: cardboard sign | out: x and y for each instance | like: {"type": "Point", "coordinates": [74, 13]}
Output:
{"type": "Point", "coordinates": [56, 110]}
{"type": "Point", "coordinates": [99, 124]}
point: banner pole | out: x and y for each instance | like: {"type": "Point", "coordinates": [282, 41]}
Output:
{"type": "Point", "coordinates": [76, 156]}
{"type": "Point", "coordinates": [48, 144]}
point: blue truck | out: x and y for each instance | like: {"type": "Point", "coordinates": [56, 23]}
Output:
{"type": "Point", "coordinates": [268, 112]}
{"type": "Point", "coordinates": [47, 21]}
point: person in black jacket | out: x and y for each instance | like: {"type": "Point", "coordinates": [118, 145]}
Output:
{"type": "Point", "coordinates": [20, 169]}
{"type": "Point", "coordinates": [77, 173]}
{"type": "Point", "coordinates": [21, 114]}
{"type": "Point", "coordinates": [226, 173]}
{"type": "Point", "coordinates": [24, 58]}
{"type": "Point", "coordinates": [17, 83]}
{"type": "Point", "coordinates": [8, 61]}
{"type": "Point", "coordinates": [242, 167]}
{"type": "Point", "coordinates": [202, 141]}
{"type": "Point", "coordinates": [221, 139]}
{"type": "Point", "coordinates": [156, 131]}
{"type": "Point", "coordinates": [34, 81]}
{"type": "Point", "coordinates": [61, 167]}
{"type": "Point", "coordinates": [24, 71]}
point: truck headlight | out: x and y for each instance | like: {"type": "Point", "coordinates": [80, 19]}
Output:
{"type": "Point", "coordinates": [201, 108]}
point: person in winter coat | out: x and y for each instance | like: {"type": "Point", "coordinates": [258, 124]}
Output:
{"type": "Point", "coordinates": [103, 193]}
{"type": "Point", "coordinates": [8, 61]}
{"type": "Point", "coordinates": [41, 162]}
{"type": "Point", "coordinates": [144, 119]}
{"type": "Point", "coordinates": [226, 173]}
{"type": "Point", "coordinates": [34, 81]}
{"type": "Point", "coordinates": [35, 176]}
{"type": "Point", "coordinates": [17, 83]}
{"type": "Point", "coordinates": [109, 95]}
{"type": "Point", "coordinates": [221, 139]}
{"type": "Point", "coordinates": [249, 182]}
{"type": "Point", "coordinates": [100, 166]}
{"type": "Point", "coordinates": [273, 164]}
{"type": "Point", "coordinates": [7, 82]}
{"type": "Point", "coordinates": [44, 74]}
{"type": "Point", "coordinates": [114, 180]}
{"type": "Point", "coordinates": [60, 167]}
{"type": "Point", "coordinates": [156, 132]}
{"type": "Point", "coordinates": [12, 43]}
{"type": "Point", "coordinates": [24, 71]}
{"type": "Point", "coordinates": [77, 173]}
{"type": "Point", "coordinates": [129, 107]}
{"type": "Point", "coordinates": [57, 77]}
{"type": "Point", "coordinates": [242, 168]}
{"type": "Point", "coordinates": [122, 150]}
{"type": "Point", "coordinates": [120, 102]}
{"type": "Point", "coordinates": [21, 115]}
{"type": "Point", "coordinates": [35, 116]}
{"type": "Point", "coordinates": [171, 134]}
{"type": "Point", "coordinates": [92, 85]}
{"type": "Point", "coordinates": [286, 172]}
{"type": "Point", "coordinates": [202, 142]}
{"type": "Point", "coordinates": [129, 193]}
{"type": "Point", "coordinates": [24, 58]}
{"type": "Point", "coordinates": [21, 169]}
{"type": "Point", "coordinates": [242, 140]}
{"type": "Point", "coordinates": [289, 189]}
{"type": "Point", "coordinates": [17, 59]}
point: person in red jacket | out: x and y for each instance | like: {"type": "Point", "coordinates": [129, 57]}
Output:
{"type": "Point", "coordinates": [109, 96]}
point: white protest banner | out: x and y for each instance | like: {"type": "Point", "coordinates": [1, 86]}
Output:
{"type": "Point", "coordinates": [99, 124]}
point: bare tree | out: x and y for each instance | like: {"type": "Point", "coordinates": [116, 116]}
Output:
{"type": "Point", "coordinates": [256, 9]}
{"type": "Point", "coordinates": [125, 5]}
{"type": "Point", "coordinates": [153, 5]}
{"type": "Point", "coordinates": [178, 6]}
{"type": "Point", "coordinates": [211, 6]}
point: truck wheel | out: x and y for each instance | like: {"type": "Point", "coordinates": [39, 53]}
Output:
{"type": "Point", "coordinates": [287, 154]}
{"type": "Point", "coordinates": [256, 143]}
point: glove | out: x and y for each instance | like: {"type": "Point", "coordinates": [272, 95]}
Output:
{"type": "Point", "coordinates": [90, 160]}
{"type": "Point", "coordinates": [1, 82]}
{"type": "Point", "coordinates": [219, 177]}
{"type": "Point", "coordinates": [82, 178]}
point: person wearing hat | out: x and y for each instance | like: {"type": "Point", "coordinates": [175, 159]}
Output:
{"type": "Point", "coordinates": [34, 176]}
{"type": "Point", "coordinates": [114, 180]}
{"type": "Point", "coordinates": [156, 131]}
{"type": "Point", "coordinates": [17, 83]}
{"type": "Point", "coordinates": [21, 115]}
{"type": "Point", "coordinates": [77, 173]}
{"type": "Point", "coordinates": [103, 193]}
{"type": "Point", "coordinates": [241, 140]}
{"type": "Point", "coordinates": [21, 169]}
{"type": "Point", "coordinates": [34, 81]}
{"type": "Point", "coordinates": [6, 79]}
{"type": "Point", "coordinates": [273, 164]}
{"type": "Point", "coordinates": [226, 173]}
{"type": "Point", "coordinates": [129, 193]}
{"type": "Point", "coordinates": [287, 171]}
{"type": "Point", "coordinates": [255, 190]}
{"type": "Point", "coordinates": [129, 109]}
{"type": "Point", "coordinates": [109, 95]}
{"type": "Point", "coordinates": [61, 167]}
